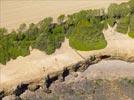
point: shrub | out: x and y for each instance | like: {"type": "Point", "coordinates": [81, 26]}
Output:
{"type": "Point", "coordinates": [87, 37]}
{"type": "Point", "coordinates": [3, 31]}
{"type": "Point", "coordinates": [131, 32]}
{"type": "Point", "coordinates": [123, 25]}
{"type": "Point", "coordinates": [113, 11]}
{"type": "Point", "coordinates": [22, 28]}
{"type": "Point", "coordinates": [50, 41]}
{"type": "Point", "coordinates": [12, 46]}
{"type": "Point", "coordinates": [131, 4]}
{"type": "Point", "coordinates": [61, 18]}
{"type": "Point", "coordinates": [92, 58]}
{"type": "Point", "coordinates": [118, 11]}
{"type": "Point", "coordinates": [83, 29]}
{"type": "Point", "coordinates": [32, 32]}
{"type": "Point", "coordinates": [124, 9]}
{"type": "Point", "coordinates": [44, 25]}
{"type": "Point", "coordinates": [111, 21]}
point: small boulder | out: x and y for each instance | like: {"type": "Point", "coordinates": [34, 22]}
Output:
{"type": "Point", "coordinates": [19, 89]}
{"type": "Point", "coordinates": [75, 74]}
{"type": "Point", "coordinates": [33, 87]}
{"type": "Point", "coordinates": [11, 97]}
{"type": "Point", "coordinates": [60, 78]}
{"type": "Point", "coordinates": [46, 90]}
{"type": "Point", "coordinates": [2, 93]}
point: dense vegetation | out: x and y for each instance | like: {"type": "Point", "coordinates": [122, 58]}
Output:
{"type": "Point", "coordinates": [87, 35]}
{"type": "Point", "coordinates": [122, 14]}
{"type": "Point", "coordinates": [84, 30]}
{"type": "Point", "coordinates": [44, 36]}
{"type": "Point", "coordinates": [125, 23]}
{"type": "Point", "coordinates": [131, 27]}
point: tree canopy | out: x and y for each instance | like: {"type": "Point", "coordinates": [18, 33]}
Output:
{"type": "Point", "coordinates": [131, 4]}
{"type": "Point", "coordinates": [84, 30]}
{"type": "Point", "coordinates": [86, 36]}
{"type": "Point", "coordinates": [61, 18]}
{"type": "Point", "coordinates": [118, 11]}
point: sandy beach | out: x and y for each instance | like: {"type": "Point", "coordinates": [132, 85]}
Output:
{"type": "Point", "coordinates": [15, 12]}
{"type": "Point", "coordinates": [38, 64]}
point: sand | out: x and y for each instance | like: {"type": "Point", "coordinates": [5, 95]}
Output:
{"type": "Point", "coordinates": [15, 12]}
{"type": "Point", "coordinates": [38, 64]}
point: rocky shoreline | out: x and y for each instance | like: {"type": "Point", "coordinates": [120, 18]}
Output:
{"type": "Point", "coordinates": [49, 82]}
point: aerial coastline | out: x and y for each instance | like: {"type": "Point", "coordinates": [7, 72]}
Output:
{"type": "Point", "coordinates": [98, 43]}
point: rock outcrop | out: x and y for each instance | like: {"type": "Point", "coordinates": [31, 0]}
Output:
{"type": "Point", "coordinates": [67, 85]}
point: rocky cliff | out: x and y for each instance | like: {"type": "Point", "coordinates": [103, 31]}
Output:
{"type": "Point", "coordinates": [74, 83]}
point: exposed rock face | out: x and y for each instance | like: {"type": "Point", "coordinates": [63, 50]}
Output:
{"type": "Point", "coordinates": [11, 97]}
{"type": "Point", "coordinates": [2, 93]}
{"type": "Point", "coordinates": [19, 89]}
{"type": "Point", "coordinates": [81, 89]}
{"type": "Point", "coordinates": [74, 83]}
{"type": "Point", "coordinates": [85, 90]}
{"type": "Point", "coordinates": [33, 87]}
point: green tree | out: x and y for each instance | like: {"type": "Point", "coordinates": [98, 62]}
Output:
{"type": "Point", "coordinates": [131, 4]}
{"type": "Point", "coordinates": [41, 42]}
{"type": "Point", "coordinates": [61, 18]}
{"type": "Point", "coordinates": [44, 25]}
{"type": "Point", "coordinates": [22, 28]}
{"type": "Point", "coordinates": [123, 24]}
{"type": "Point", "coordinates": [32, 32]}
{"type": "Point", "coordinates": [113, 10]}
{"type": "Point", "coordinates": [87, 36]}
{"type": "Point", "coordinates": [118, 11]}
{"type": "Point", "coordinates": [111, 21]}
{"type": "Point", "coordinates": [131, 26]}
{"type": "Point", "coordinates": [50, 41]}
{"type": "Point", "coordinates": [3, 31]}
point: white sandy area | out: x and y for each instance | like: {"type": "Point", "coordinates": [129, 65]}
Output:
{"type": "Point", "coordinates": [15, 12]}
